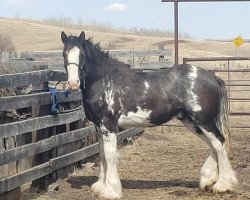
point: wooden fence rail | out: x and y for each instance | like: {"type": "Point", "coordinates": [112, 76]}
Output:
{"type": "Point", "coordinates": [57, 55]}
{"type": "Point", "coordinates": [12, 182]}
{"type": "Point", "coordinates": [42, 147]}
{"type": "Point", "coordinates": [128, 56]}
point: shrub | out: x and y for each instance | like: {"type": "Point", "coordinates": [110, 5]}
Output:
{"type": "Point", "coordinates": [6, 43]}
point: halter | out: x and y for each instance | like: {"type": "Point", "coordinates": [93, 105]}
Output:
{"type": "Point", "coordinates": [81, 67]}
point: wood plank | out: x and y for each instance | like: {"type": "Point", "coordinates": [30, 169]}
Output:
{"type": "Point", "coordinates": [4, 168]}
{"type": "Point", "coordinates": [44, 145]}
{"type": "Point", "coordinates": [11, 195]}
{"type": "Point", "coordinates": [59, 75]}
{"type": "Point", "coordinates": [114, 53]}
{"type": "Point", "coordinates": [20, 66]}
{"type": "Point", "coordinates": [39, 171]}
{"type": "Point", "coordinates": [41, 54]}
{"type": "Point", "coordinates": [69, 147]}
{"type": "Point", "coordinates": [156, 65]}
{"type": "Point", "coordinates": [26, 78]}
{"type": "Point", "coordinates": [37, 135]}
{"type": "Point", "coordinates": [17, 128]}
{"type": "Point", "coordinates": [43, 98]}
{"type": "Point", "coordinates": [140, 53]}
{"type": "Point", "coordinates": [128, 133]}
{"type": "Point", "coordinates": [15, 181]}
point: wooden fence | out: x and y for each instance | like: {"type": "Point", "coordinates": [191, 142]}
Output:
{"type": "Point", "coordinates": [35, 145]}
{"type": "Point", "coordinates": [136, 58]}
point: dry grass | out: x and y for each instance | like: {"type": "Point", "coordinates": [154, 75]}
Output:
{"type": "Point", "coordinates": [163, 163]}
{"type": "Point", "coordinates": [32, 36]}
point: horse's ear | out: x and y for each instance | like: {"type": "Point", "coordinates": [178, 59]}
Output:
{"type": "Point", "coordinates": [82, 36]}
{"type": "Point", "coordinates": [63, 36]}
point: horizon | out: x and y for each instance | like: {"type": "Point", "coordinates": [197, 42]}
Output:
{"type": "Point", "coordinates": [227, 21]}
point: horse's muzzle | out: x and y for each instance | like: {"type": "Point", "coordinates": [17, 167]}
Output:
{"type": "Point", "coordinates": [74, 84]}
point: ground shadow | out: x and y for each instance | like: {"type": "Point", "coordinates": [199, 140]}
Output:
{"type": "Point", "coordinates": [78, 182]}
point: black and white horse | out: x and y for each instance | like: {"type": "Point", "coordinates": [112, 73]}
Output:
{"type": "Point", "coordinates": [114, 96]}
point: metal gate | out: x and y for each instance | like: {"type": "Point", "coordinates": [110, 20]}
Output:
{"type": "Point", "coordinates": [237, 79]}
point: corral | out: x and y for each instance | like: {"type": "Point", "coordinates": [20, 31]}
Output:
{"type": "Point", "coordinates": [171, 174]}
{"type": "Point", "coordinates": [36, 144]}
{"type": "Point", "coordinates": [140, 176]}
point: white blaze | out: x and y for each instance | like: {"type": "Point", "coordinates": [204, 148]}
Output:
{"type": "Point", "coordinates": [73, 57]}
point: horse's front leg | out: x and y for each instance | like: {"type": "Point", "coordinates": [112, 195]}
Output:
{"type": "Point", "coordinates": [113, 188]}
{"type": "Point", "coordinates": [100, 184]}
{"type": "Point", "coordinates": [109, 184]}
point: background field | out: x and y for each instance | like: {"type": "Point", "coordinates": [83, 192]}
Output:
{"type": "Point", "coordinates": [32, 36]}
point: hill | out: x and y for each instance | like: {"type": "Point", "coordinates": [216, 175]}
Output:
{"type": "Point", "coordinates": [32, 36]}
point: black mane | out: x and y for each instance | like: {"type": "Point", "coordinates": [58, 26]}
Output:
{"type": "Point", "coordinates": [94, 52]}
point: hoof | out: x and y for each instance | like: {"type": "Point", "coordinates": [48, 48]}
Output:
{"type": "Point", "coordinates": [206, 184]}
{"type": "Point", "coordinates": [109, 193]}
{"type": "Point", "coordinates": [98, 186]}
{"type": "Point", "coordinates": [224, 186]}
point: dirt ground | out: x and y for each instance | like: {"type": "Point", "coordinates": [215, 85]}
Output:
{"type": "Point", "coordinates": [163, 163]}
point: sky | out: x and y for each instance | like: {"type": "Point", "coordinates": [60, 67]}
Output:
{"type": "Point", "coordinates": [200, 20]}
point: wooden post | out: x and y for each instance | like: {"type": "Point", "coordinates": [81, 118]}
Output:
{"type": "Point", "coordinates": [70, 147]}
{"type": "Point", "coordinates": [11, 195]}
{"type": "Point", "coordinates": [5, 56]}
{"type": "Point", "coordinates": [10, 168]}
{"type": "Point", "coordinates": [37, 111]}
{"type": "Point", "coordinates": [161, 57]}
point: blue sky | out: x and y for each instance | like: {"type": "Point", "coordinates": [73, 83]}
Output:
{"type": "Point", "coordinates": [200, 20]}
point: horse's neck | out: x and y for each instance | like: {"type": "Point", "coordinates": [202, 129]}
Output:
{"type": "Point", "coordinates": [97, 70]}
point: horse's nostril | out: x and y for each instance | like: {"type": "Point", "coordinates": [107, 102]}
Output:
{"type": "Point", "coordinates": [78, 81]}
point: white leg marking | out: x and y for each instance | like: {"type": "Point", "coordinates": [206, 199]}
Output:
{"type": "Point", "coordinates": [209, 171]}
{"type": "Point", "coordinates": [227, 179]}
{"type": "Point", "coordinates": [98, 186]}
{"type": "Point", "coordinates": [113, 187]}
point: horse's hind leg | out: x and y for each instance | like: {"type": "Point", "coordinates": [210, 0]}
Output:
{"type": "Point", "coordinates": [226, 179]}
{"type": "Point", "coordinates": [209, 171]}
{"type": "Point", "coordinates": [217, 173]}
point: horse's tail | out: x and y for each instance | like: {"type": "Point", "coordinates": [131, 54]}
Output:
{"type": "Point", "coordinates": [222, 119]}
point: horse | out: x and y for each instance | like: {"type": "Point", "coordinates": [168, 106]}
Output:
{"type": "Point", "coordinates": [116, 97]}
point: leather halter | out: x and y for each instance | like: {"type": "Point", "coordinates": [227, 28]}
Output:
{"type": "Point", "coordinates": [82, 69]}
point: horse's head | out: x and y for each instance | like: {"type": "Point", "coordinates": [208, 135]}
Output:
{"type": "Point", "coordinates": [74, 58]}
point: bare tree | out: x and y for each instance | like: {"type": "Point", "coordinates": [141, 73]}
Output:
{"type": "Point", "coordinates": [6, 43]}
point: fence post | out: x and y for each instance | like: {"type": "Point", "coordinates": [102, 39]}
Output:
{"type": "Point", "coordinates": [38, 111]}
{"type": "Point", "coordinates": [5, 56]}
{"type": "Point", "coordinates": [161, 57]}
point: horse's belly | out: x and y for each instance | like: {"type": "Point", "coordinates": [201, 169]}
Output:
{"type": "Point", "coordinates": [141, 118]}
